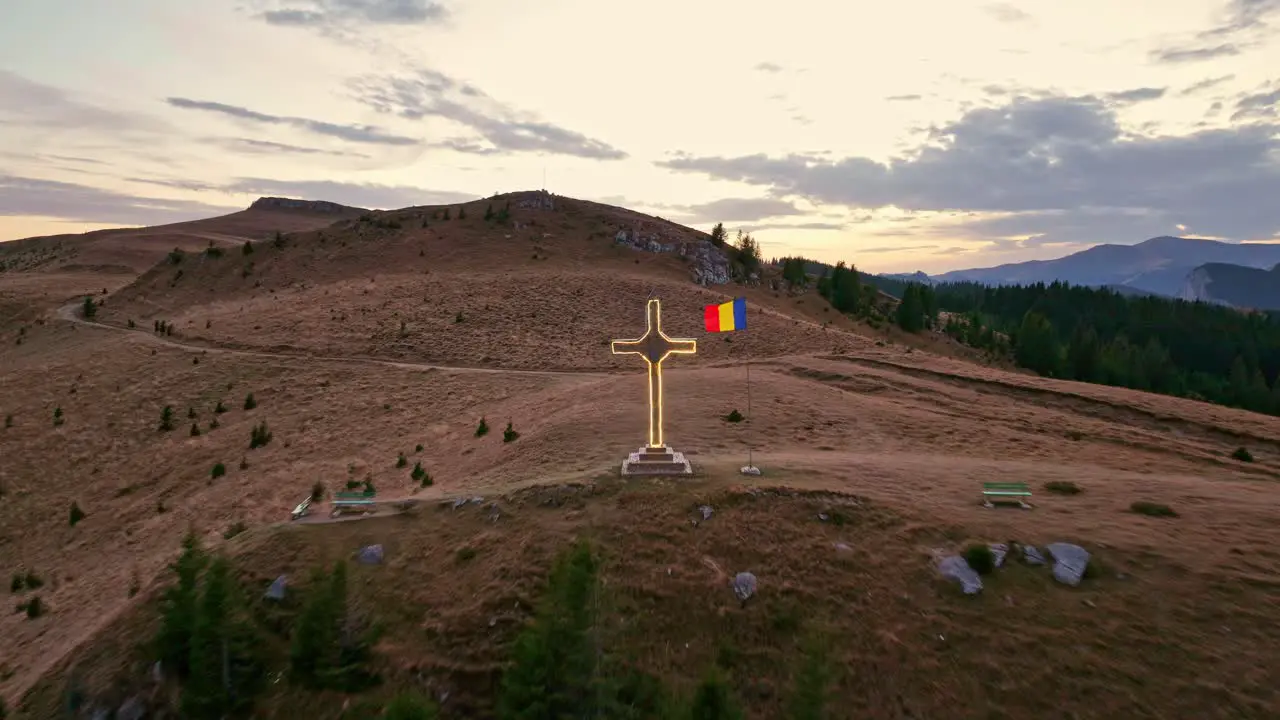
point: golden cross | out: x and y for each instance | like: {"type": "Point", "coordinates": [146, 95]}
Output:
{"type": "Point", "coordinates": [654, 347]}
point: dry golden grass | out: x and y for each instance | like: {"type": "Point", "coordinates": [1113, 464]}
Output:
{"type": "Point", "coordinates": [1178, 622]}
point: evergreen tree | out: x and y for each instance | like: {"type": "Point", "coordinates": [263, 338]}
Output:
{"type": "Point", "coordinates": [719, 235]}
{"type": "Point", "coordinates": [315, 633]}
{"type": "Point", "coordinates": [224, 670]}
{"type": "Point", "coordinates": [178, 609]}
{"type": "Point", "coordinates": [793, 271]}
{"type": "Point", "coordinates": [1036, 347]}
{"type": "Point", "coordinates": [410, 706]}
{"type": "Point", "coordinates": [247, 248]}
{"type": "Point", "coordinates": [88, 308]}
{"type": "Point", "coordinates": [462, 212]}
{"type": "Point", "coordinates": [1084, 354]}
{"type": "Point", "coordinates": [713, 699]}
{"type": "Point", "coordinates": [446, 213]}
{"type": "Point", "coordinates": [910, 314]}
{"type": "Point", "coordinates": [488, 213]}
{"type": "Point", "coordinates": [809, 693]}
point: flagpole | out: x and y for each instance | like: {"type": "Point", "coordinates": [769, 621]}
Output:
{"type": "Point", "coordinates": [750, 417]}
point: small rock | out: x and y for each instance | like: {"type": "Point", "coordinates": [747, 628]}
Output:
{"type": "Point", "coordinates": [998, 552]}
{"type": "Point", "coordinates": [842, 546]}
{"type": "Point", "coordinates": [823, 517]}
{"type": "Point", "coordinates": [706, 511]}
{"type": "Point", "coordinates": [276, 590]}
{"type": "Point", "coordinates": [459, 503]}
{"type": "Point", "coordinates": [1090, 603]}
{"type": "Point", "coordinates": [370, 555]}
{"type": "Point", "coordinates": [957, 569]}
{"type": "Point", "coordinates": [744, 586]}
{"type": "Point", "coordinates": [1031, 555]}
{"type": "Point", "coordinates": [493, 621]}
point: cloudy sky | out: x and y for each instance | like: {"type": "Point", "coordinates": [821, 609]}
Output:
{"type": "Point", "coordinates": [916, 134]}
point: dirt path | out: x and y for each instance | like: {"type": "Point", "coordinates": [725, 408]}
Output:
{"type": "Point", "coordinates": [68, 313]}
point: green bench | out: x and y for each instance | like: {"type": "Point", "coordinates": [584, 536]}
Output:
{"type": "Point", "coordinates": [353, 495]}
{"type": "Point", "coordinates": [996, 491]}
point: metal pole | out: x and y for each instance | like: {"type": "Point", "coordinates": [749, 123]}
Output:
{"type": "Point", "coordinates": [749, 416]}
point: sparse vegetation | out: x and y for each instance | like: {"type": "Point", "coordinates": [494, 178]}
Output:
{"type": "Point", "coordinates": [76, 514]}
{"type": "Point", "coordinates": [488, 213]}
{"type": "Point", "coordinates": [88, 309]}
{"type": "Point", "coordinates": [465, 554]}
{"type": "Point", "coordinates": [410, 706]}
{"type": "Point", "coordinates": [191, 413]}
{"type": "Point", "coordinates": [249, 402]}
{"type": "Point", "coordinates": [259, 436]}
{"type": "Point", "coordinates": [734, 416]}
{"type": "Point", "coordinates": [446, 213]}
{"type": "Point", "coordinates": [195, 430]}
{"type": "Point", "coordinates": [8, 422]}
{"type": "Point", "coordinates": [509, 435]}
{"type": "Point", "coordinates": [234, 529]}
{"type": "Point", "coordinates": [218, 471]}
{"type": "Point", "coordinates": [980, 558]}
{"type": "Point", "coordinates": [32, 580]}
{"type": "Point", "coordinates": [58, 419]}
{"type": "Point", "coordinates": [175, 256]}
{"type": "Point", "coordinates": [401, 461]}
{"type": "Point", "coordinates": [458, 318]}
{"type": "Point", "coordinates": [1242, 454]}
{"type": "Point", "coordinates": [244, 463]}
{"type": "Point", "coordinates": [462, 213]}
{"type": "Point", "coordinates": [33, 607]}
{"type": "Point", "coordinates": [213, 251]}
{"type": "Point", "coordinates": [417, 448]}
{"type": "Point", "coordinates": [317, 491]}
{"type": "Point", "coordinates": [482, 429]}
{"type": "Point", "coordinates": [166, 419]}
{"type": "Point", "coordinates": [219, 408]}
{"type": "Point", "coordinates": [247, 248]}
{"type": "Point", "coordinates": [1062, 487]}
{"type": "Point", "coordinates": [1142, 507]}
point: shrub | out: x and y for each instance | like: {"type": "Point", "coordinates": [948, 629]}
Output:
{"type": "Point", "coordinates": [1062, 487]}
{"type": "Point", "coordinates": [191, 413]}
{"type": "Point", "coordinates": [88, 309]}
{"type": "Point", "coordinates": [458, 318]}
{"type": "Point", "coordinates": [418, 448]}
{"type": "Point", "coordinates": [247, 248]}
{"type": "Point", "coordinates": [218, 471]}
{"type": "Point", "coordinates": [401, 461]}
{"type": "Point", "coordinates": [465, 553]}
{"type": "Point", "coordinates": [236, 528]}
{"type": "Point", "coordinates": [34, 607]}
{"type": "Point", "coordinates": [57, 416]}
{"type": "Point", "coordinates": [446, 213]}
{"type": "Point", "coordinates": [33, 581]}
{"type": "Point", "coordinates": [15, 585]}
{"type": "Point", "coordinates": [482, 429]}
{"type": "Point", "coordinates": [8, 423]}
{"type": "Point", "coordinates": [249, 402]}
{"type": "Point", "coordinates": [175, 256]}
{"type": "Point", "coordinates": [980, 558]}
{"type": "Point", "coordinates": [244, 463]}
{"type": "Point", "coordinates": [410, 706]}
{"type": "Point", "coordinates": [488, 213]}
{"type": "Point", "coordinates": [166, 419]}
{"type": "Point", "coordinates": [76, 514]}
{"type": "Point", "coordinates": [259, 436]}
{"type": "Point", "coordinates": [509, 435]}
{"type": "Point", "coordinates": [1242, 455]}
{"type": "Point", "coordinates": [734, 416]}
{"type": "Point", "coordinates": [213, 251]}
{"type": "Point", "coordinates": [1142, 507]}
{"type": "Point", "coordinates": [213, 424]}
{"type": "Point", "coordinates": [278, 241]}
{"type": "Point", "coordinates": [195, 430]}
{"type": "Point", "coordinates": [219, 408]}
{"type": "Point", "coordinates": [368, 487]}
{"type": "Point", "coordinates": [352, 484]}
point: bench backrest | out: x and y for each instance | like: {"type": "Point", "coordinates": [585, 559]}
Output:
{"type": "Point", "coordinates": [341, 503]}
{"type": "Point", "coordinates": [1004, 485]}
{"type": "Point", "coordinates": [353, 495]}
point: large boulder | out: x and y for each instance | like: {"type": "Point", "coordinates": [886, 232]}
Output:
{"type": "Point", "coordinates": [955, 568]}
{"type": "Point", "coordinates": [744, 586]}
{"type": "Point", "coordinates": [370, 555]}
{"type": "Point", "coordinates": [1069, 562]}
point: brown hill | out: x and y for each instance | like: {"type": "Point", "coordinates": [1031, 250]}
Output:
{"type": "Point", "coordinates": [889, 444]}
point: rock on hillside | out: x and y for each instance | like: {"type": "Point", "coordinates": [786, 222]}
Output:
{"type": "Point", "coordinates": [319, 206]}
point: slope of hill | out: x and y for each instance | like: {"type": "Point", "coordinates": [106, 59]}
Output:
{"type": "Point", "coordinates": [1242, 287]}
{"type": "Point", "coordinates": [1159, 265]}
{"type": "Point", "coordinates": [873, 456]}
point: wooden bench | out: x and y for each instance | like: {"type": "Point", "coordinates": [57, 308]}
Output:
{"type": "Point", "coordinates": [994, 491]}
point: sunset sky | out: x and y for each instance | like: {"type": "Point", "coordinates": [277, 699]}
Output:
{"type": "Point", "coordinates": [913, 135]}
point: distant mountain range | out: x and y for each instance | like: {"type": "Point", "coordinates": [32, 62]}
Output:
{"type": "Point", "coordinates": [1241, 275]}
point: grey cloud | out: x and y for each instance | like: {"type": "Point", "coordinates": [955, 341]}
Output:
{"type": "Point", "coordinates": [903, 98]}
{"type": "Point", "coordinates": [1206, 84]}
{"type": "Point", "coordinates": [1194, 54]}
{"type": "Point", "coordinates": [1136, 95]}
{"type": "Point", "coordinates": [428, 93]}
{"type": "Point", "coordinates": [1260, 105]}
{"type": "Point", "coordinates": [740, 210]}
{"type": "Point", "coordinates": [266, 147]}
{"type": "Point", "coordinates": [350, 133]}
{"type": "Point", "coordinates": [28, 103]}
{"type": "Point", "coordinates": [322, 13]}
{"type": "Point", "coordinates": [1058, 164]}
{"type": "Point", "coordinates": [82, 203]}
{"type": "Point", "coordinates": [190, 185]}
{"type": "Point", "coordinates": [894, 248]}
{"type": "Point", "coordinates": [367, 195]}
{"type": "Point", "coordinates": [1243, 15]}
{"type": "Point", "coordinates": [768, 67]}
{"type": "Point", "coordinates": [794, 226]}
{"type": "Point", "coordinates": [1005, 12]}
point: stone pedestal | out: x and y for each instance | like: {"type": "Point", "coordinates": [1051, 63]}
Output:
{"type": "Point", "coordinates": [660, 460]}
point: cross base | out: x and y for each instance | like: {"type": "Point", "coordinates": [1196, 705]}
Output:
{"type": "Point", "coordinates": [660, 460]}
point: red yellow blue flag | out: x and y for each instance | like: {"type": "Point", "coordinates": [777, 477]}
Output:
{"type": "Point", "coordinates": [726, 317]}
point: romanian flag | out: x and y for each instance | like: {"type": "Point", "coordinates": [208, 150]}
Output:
{"type": "Point", "coordinates": [727, 317]}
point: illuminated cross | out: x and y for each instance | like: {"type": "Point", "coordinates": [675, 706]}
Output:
{"type": "Point", "coordinates": [654, 347]}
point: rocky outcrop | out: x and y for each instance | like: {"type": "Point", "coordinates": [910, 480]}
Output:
{"type": "Point", "coordinates": [317, 206]}
{"type": "Point", "coordinates": [709, 265]}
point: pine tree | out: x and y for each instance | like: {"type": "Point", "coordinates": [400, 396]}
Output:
{"type": "Point", "coordinates": [509, 435]}
{"type": "Point", "coordinates": [249, 402]}
{"type": "Point", "coordinates": [1084, 354]}
{"type": "Point", "coordinates": [166, 419]}
{"type": "Point", "coordinates": [410, 706]}
{"type": "Point", "coordinates": [462, 212]}
{"type": "Point", "coordinates": [719, 236]}
{"type": "Point", "coordinates": [178, 609]}
{"type": "Point", "coordinates": [446, 213]}
{"type": "Point", "coordinates": [482, 429]}
{"type": "Point", "coordinates": [713, 699]}
{"type": "Point", "coordinates": [488, 213]}
{"type": "Point", "coordinates": [1036, 347]}
{"type": "Point", "coordinates": [315, 633]}
{"type": "Point", "coordinates": [89, 309]}
{"type": "Point", "coordinates": [225, 671]}
{"type": "Point", "coordinates": [247, 248]}
{"type": "Point", "coordinates": [910, 314]}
